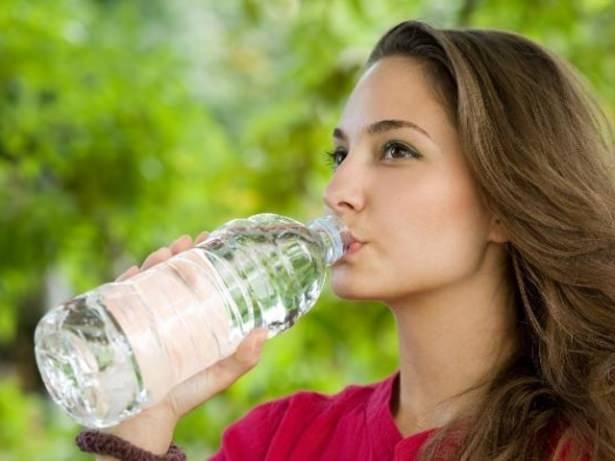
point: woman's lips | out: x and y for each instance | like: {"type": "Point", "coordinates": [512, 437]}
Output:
{"type": "Point", "coordinates": [351, 243]}
{"type": "Point", "coordinates": [354, 247]}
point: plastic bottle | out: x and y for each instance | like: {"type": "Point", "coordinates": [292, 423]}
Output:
{"type": "Point", "coordinates": [113, 351]}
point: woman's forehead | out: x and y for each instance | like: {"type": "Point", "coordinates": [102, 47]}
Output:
{"type": "Point", "coordinates": [393, 88]}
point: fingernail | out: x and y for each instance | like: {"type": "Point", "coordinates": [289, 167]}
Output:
{"type": "Point", "coordinates": [127, 273]}
{"type": "Point", "coordinates": [261, 339]}
{"type": "Point", "coordinates": [201, 236]}
{"type": "Point", "coordinates": [181, 239]}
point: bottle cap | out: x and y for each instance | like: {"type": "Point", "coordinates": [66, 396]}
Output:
{"type": "Point", "coordinates": [335, 235]}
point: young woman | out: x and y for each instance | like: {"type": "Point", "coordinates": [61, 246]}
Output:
{"type": "Point", "coordinates": [474, 168]}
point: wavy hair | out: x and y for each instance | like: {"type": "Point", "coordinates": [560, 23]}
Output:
{"type": "Point", "coordinates": [541, 152]}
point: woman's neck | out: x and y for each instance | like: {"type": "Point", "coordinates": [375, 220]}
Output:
{"type": "Point", "coordinates": [450, 342]}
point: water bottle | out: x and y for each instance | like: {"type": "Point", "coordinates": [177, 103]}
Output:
{"type": "Point", "coordinates": [111, 352]}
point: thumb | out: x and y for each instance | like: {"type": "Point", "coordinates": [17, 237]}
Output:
{"type": "Point", "coordinates": [207, 383]}
{"type": "Point", "coordinates": [227, 371]}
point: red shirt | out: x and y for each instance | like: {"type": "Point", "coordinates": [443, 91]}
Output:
{"type": "Point", "coordinates": [355, 424]}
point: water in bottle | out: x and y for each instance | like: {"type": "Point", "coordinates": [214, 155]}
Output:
{"type": "Point", "coordinates": [115, 350]}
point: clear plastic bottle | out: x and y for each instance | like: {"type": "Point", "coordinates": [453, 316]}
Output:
{"type": "Point", "coordinates": [113, 351]}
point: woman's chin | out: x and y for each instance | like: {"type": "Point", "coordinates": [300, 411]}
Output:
{"type": "Point", "coordinates": [347, 289]}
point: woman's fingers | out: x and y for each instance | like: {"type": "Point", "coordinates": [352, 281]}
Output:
{"type": "Point", "coordinates": [202, 236]}
{"type": "Point", "coordinates": [132, 270]}
{"type": "Point", "coordinates": [181, 244]}
{"type": "Point", "coordinates": [156, 257]}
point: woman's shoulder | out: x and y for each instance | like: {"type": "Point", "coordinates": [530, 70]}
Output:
{"type": "Point", "coordinates": [294, 415]}
{"type": "Point", "coordinates": [305, 402]}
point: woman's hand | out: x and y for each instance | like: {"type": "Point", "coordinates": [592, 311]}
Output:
{"type": "Point", "coordinates": [152, 429]}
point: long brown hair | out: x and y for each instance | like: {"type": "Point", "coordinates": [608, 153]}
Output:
{"type": "Point", "coordinates": [541, 152]}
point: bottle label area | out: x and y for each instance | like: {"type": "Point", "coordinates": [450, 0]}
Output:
{"type": "Point", "coordinates": [178, 313]}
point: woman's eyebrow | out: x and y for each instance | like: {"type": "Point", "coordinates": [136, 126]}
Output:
{"type": "Point", "coordinates": [382, 126]}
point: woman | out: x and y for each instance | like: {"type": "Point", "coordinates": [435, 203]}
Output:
{"type": "Point", "coordinates": [475, 169]}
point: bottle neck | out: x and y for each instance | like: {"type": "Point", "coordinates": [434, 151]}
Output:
{"type": "Point", "coordinates": [334, 235]}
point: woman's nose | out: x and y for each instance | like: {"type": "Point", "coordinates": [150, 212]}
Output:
{"type": "Point", "coordinates": [346, 190]}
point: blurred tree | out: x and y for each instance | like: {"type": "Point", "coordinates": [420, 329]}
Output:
{"type": "Point", "coordinates": [101, 158]}
{"type": "Point", "coordinates": [76, 153]}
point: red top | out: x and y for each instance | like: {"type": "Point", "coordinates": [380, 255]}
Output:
{"type": "Point", "coordinates": [354, 424]}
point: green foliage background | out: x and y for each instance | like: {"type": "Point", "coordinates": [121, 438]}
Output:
{"type": "Point", "coordinates": [126, 124]}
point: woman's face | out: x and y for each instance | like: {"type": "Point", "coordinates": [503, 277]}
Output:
{"type": "Point", "coordinates": [403, 187]}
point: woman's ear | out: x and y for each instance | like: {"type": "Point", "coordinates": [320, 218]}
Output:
{"type": "Point", "coordinates": [497, 233]}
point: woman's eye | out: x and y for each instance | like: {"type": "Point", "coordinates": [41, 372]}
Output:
{"type": "Point", "coordinates": [396, 150]}
{"type": "Point", "coordinates": [334, 158]}
{"type": "Point", "coordinates": [399, 150]}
